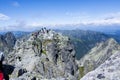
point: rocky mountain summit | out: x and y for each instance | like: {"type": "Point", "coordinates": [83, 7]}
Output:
{"type": "Point", "coordinates": [109, 70]}
{"type": "Point", "coordinates": [98, 55]}
{"type": "Point", "coordinates": [44, 54]}
{"type": "Point", "coordinates": [48, 55]}
{"type": "Point", "coordinates": [7, 42]}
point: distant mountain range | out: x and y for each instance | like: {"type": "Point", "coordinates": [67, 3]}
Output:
{"type": "Point", "coordinates": [17, 34]}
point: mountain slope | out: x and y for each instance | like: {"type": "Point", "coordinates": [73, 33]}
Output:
{"type": "Point", "coordinates": [109, 70]}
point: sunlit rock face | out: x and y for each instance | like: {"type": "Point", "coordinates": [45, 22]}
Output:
{"type": "Point", "coordinates": [45, 54]}
{"type": "Point", "coordinates": [109, 70]}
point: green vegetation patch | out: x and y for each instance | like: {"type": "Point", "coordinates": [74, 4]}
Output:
{"type": "Point", "coordinates": [81, 71]}
{"type": "Point", "coordinates": [44, 52]}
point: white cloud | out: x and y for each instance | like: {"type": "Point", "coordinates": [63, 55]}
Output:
{"type": "Point", "coordinates": [97, 20]}
{"type": "Point", "coordinates": [15, 4]}
{"type": "Point", "coordinates": [84, 20]}
{"type": "Point", "coordinates": [107, 19]}
{"type": "Point", "coordinates": [4, 17]}
{"type": "Point", "coordinates": [18, 26]}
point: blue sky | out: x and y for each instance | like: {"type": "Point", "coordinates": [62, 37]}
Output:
{"type": "Point", "coordinates": [32, 14]}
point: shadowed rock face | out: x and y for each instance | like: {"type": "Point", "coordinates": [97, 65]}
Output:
{"type": "Point", "coordinates": [7, 70]}
{"type": "Point", "coordinates": [7, 42]}
{"type": "Point", "coordinates": [45, 54]}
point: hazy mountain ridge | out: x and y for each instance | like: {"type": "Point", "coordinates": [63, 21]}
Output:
{"type": "Point", "coordinates": [115, 35]}
{"type": "Point", "coordinates": [7, 42]}
{"type": "Point", "coordinates": [17, 34]}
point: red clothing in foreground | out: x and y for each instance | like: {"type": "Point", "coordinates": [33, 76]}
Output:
{"type": "Point", "coordinates": [1, 76]}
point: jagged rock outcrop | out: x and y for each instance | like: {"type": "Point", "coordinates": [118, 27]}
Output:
{"type": "Point", "coordinates": [7, 42]}
{"type": "Point", "coordinates": [109, 70]}
{"type": "Point", "coordinates": [98, 55]}
{"type": "Point", "coordinates": [45, 54]}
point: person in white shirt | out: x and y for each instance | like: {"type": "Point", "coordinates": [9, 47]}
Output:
{"type": "Point", "coordinates": [1, 59]}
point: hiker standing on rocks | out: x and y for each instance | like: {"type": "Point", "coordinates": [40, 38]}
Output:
{"type": "Point", "coordinates": [1, 65]}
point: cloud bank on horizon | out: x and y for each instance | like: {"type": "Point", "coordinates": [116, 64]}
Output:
{"type": "Point", "coordinates": [24, 15]}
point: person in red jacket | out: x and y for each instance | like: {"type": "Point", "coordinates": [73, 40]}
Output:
{"type": "Point", "coordinates": [1, 65]}
{"type": "Point", "coordinates": [1, 76]}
